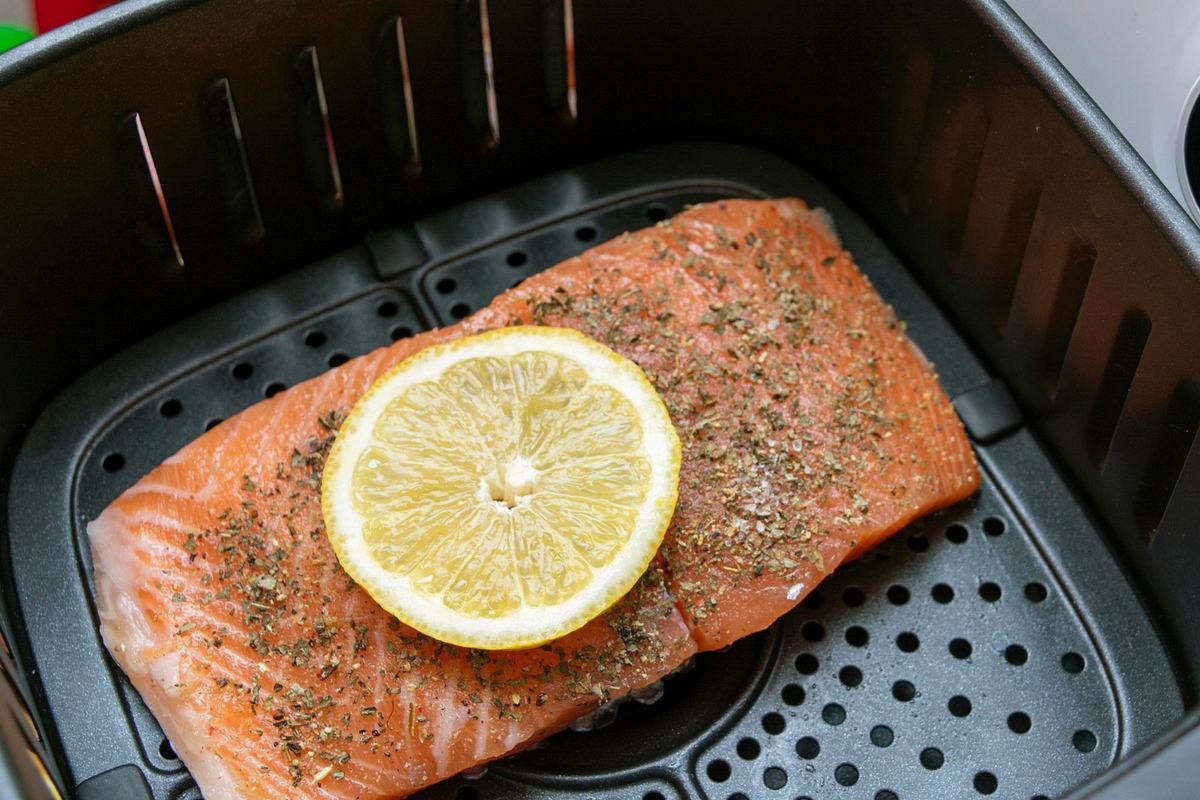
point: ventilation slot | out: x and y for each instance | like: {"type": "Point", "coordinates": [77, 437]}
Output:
{"type": "Point", "coordinates": [316, 134]}
{"type": "Point", "coordinates": [155, 228]}
{"type": "Point", "coordinates": [399, 118]}
{"type": "Point", "coordinates": [1018, 224]}
{"type": "Point", "coordinates": [233, 168]}
{"type": "Point", "coordinates": [1114, 385]}
{"type": "Point", "coordinates": [910, 122]}
{"type": "Point", "coordinates": [1068, 299]}
{"type": "Point", "coordinates": [479, 89]}
{"type": "Point", "coordinates": [972, 134]}
{"type": "Point", "coordinates": [1168, 457]}
{"type": "Point", "coordinates": [558, 56]}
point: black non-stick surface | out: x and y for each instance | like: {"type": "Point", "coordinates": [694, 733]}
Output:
{"type": "Point", "coordinates": [994, 649]}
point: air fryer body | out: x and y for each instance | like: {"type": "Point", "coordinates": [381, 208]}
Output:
{"type": "Point", "coordinates": [190, 186]}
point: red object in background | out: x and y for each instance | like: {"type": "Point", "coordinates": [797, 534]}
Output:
{"type": "Point", "coordinates": [50, 14]}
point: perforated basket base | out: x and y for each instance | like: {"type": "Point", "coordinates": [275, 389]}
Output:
{"type": "Point", "coordinates": [992, 649]}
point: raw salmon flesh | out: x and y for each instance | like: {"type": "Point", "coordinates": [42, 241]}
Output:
{"type": "Point", "coordinates": [811, 426]}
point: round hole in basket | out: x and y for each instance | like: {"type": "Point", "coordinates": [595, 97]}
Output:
{"type": "Point", "coordinates": [882, 736]}
{"type": "Point", "coordinates": [774, 778]}
{"type": "Point", "coordinates": [1035, 592]}
{"type": "Point", "coordinates": [1019, 722]}
{"type": "Point", "coordinates": [833, 714]}
{"type": "Point", "coordinates": [850, 676]}
{"type": "Point", "coordinates": [773, 723]}
{"type": "Point", "coordinates": [1016, 655]}
{"type": "Point", "coordinates": [985, 782]}
{"type": "Point", "coordinates": [748, 748]}
{"type": "Point", "coordinates": [718, 771]}
{"type": "Point", "coordinates": [960, 648]}
{"type": "Point", "coordinates": [808, 748]}
{"type": "Point", "coordinates": [857, 636]}
{"type": "Point", "coordinates": [793, 694]}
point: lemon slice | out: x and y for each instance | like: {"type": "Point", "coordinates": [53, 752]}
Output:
{"type": "Point", "coordinates": [503, 489]}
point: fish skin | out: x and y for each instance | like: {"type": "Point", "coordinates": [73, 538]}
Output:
{"type": "Point", "coordinates": [811, 427]}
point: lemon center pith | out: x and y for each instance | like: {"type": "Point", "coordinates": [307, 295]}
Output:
{"type": "Point", "coordinates": [510, 483]}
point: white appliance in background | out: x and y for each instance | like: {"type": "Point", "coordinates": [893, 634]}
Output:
{"type": "Point", "coordinates": [1140, 62]}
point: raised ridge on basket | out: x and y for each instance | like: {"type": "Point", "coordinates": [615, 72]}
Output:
{"type": "Point", "coordinates": [1176, 437]}
{"type": "Point", "coordinates": [558, 57]}
{"type": "Point", "coordinates": [316, 132]}
{"type": "Point", "coordinates": [970, 138]}
{"type": "Point", "coordinates": [1120, 369]}
{"type": "Point", "coordinates": [233, 168]}
{"type": "Point", "coordinates": [478, 78]}
{"type": "Point", "coordinates": [396, 94]}
{"type": "Point", "coordinates": [1015, 233]}
{"type": "Point", "coordinates": [1071, 288]}
{"type": "Point", "coordinates": [911, 119]}
{"type": "Point", "coordinates": [156, 228]}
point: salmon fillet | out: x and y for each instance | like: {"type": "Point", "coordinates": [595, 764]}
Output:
{"type": "Point", "coordinates": [811, 428]}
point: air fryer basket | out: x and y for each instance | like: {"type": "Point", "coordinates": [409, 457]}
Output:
{"type": "Point", "coordinates": [303, 182]}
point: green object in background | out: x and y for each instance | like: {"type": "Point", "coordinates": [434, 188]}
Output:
{"type": "Point", "coordinates": [11, 36]}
